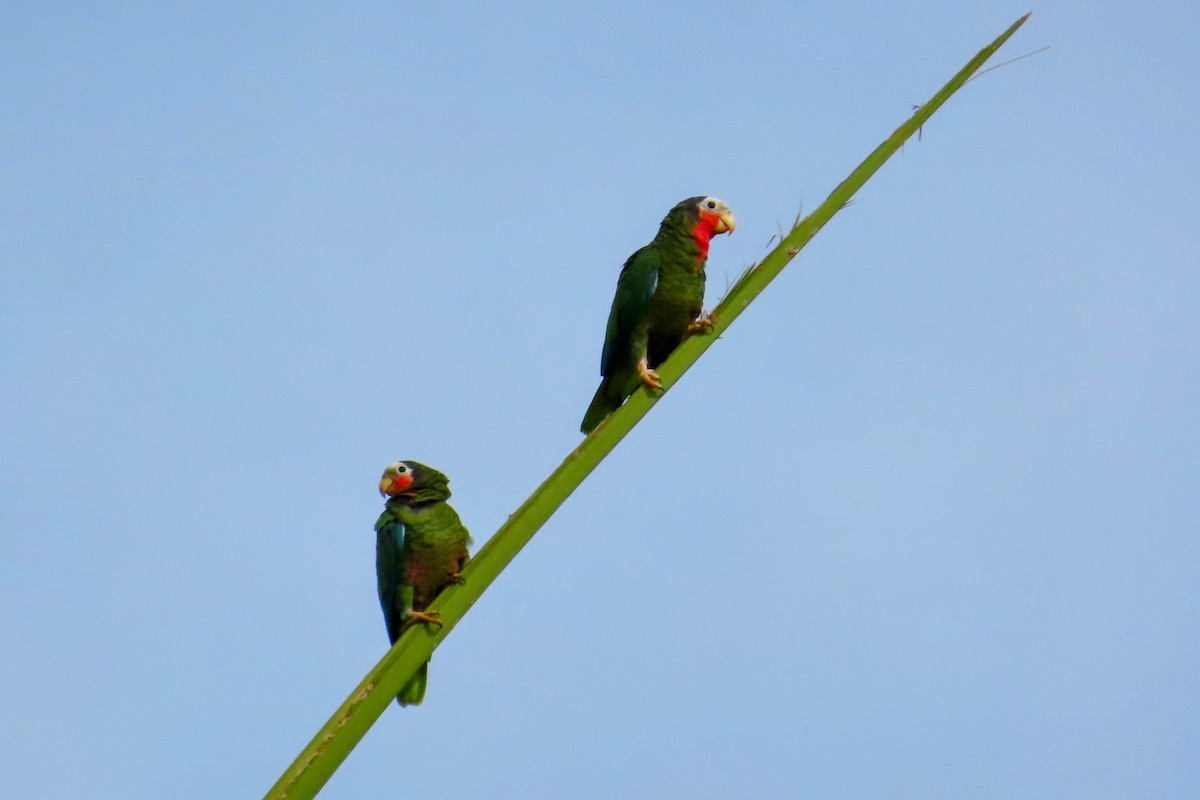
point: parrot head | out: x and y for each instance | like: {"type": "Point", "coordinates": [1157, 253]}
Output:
{"type": "Point", "coordinates": [410, 479]}
{"type": "Point", "coordinates": [703, 217]}
{"type": "Point", "coordinates": [714, 215]}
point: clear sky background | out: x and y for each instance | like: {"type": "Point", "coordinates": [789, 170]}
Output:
{"type": "Point", "coordinates": [923, 524]}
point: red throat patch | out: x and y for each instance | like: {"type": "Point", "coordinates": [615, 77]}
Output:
{"type": "Point", "coordinates": [400, 483]}
{"type": "Point", "coordinates": [703, 231]}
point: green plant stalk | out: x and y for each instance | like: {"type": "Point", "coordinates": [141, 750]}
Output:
{"type": "Point", "coordinates": [317, 762]}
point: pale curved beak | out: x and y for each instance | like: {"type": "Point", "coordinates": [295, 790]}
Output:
{"type": "Point", "coordinates": [727, 224]}
{"type": "Point", "coordinates": [385, 483]}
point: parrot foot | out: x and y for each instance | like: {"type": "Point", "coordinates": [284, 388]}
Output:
{"type": "Point", "coordinates": [430, 617]}
{"type": "Point", "coordinates": [649, 376]}
{"type": "Point", "coordinates": [457, 578]}
{"type": "Point", "coordinates": [699, 325]}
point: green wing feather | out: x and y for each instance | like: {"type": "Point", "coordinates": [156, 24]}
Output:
{"type": "Point", "coordinates": [391, 571]}
{"type": "Point", "coordinates": [625, 336]}
{"type": "Point", "coordinates": [635, 290]}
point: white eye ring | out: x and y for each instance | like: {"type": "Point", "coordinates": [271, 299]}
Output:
{"type": "Point", "coordinates": [401, 469]}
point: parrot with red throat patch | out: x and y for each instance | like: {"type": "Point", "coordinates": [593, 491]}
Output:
{"type": "Point", "coordinates": [420, 549]}
{"type": "Point", "coordinates": [660, 293]}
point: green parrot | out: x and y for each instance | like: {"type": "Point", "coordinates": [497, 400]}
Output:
{"type": "Point", "coordinates": [420, 549]}
{"type": "Point", "coordinates": [659, 296]}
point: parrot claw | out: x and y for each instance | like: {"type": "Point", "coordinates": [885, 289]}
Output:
{"type": "Point", "coordinates": [457, 578]}
{"type": "Point", "coordinates": [649, 376]}
{"type": "Point", "coordinates": [430, 617]}
{"type": "Point", "coordinates": [699, 325]}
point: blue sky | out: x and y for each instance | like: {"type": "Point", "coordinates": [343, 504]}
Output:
{"type": "Point", "coordinates": [923, 524]}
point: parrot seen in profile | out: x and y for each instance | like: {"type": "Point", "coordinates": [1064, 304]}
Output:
{"type": "Point", "coordinates": [660, 293]}
{"type": "Point", "coordinates": [420, 549]}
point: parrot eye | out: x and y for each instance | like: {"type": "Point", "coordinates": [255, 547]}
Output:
{"type": "Point", "coordinates": [402, 469]}
{"type": "Point", "coordinates": [711, 203]}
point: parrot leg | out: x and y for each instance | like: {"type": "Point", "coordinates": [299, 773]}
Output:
{"type": "Point", "coordinates": [649, 376]}
{"type": "Point", "coordinates": [430, 617]}
{"type": "Point", "coordinates": [699, 325]}
{"type": "Point", "coordinates": [460, 561]}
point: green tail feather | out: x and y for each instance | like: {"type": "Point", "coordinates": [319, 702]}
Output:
{"type": "Point", "coordinates": [609, 397]}
{"type": "Point", "coordinates": [602, 405]}
{"type": "Point", "coordinates": [414, 691]}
